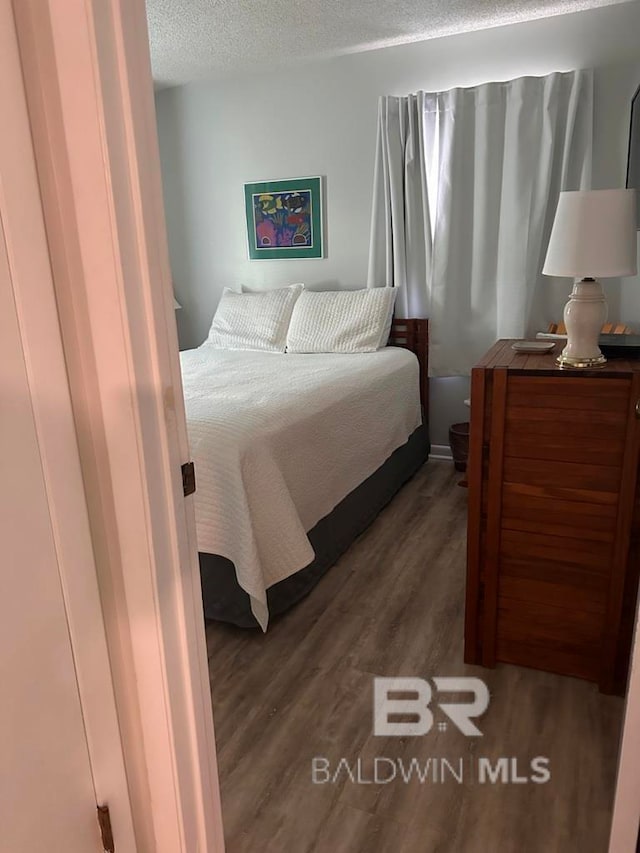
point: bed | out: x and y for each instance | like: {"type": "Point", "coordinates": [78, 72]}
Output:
{"type": "Point", "coordinates": [295, 455]}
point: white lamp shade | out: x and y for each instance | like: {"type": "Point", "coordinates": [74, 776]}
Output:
{"type": "Point", "coordinates": [176, 304]}
{"type": "Point", "coordinates": [593, 235]}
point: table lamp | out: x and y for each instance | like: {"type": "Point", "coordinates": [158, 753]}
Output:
{"type": "Point", "coordinates": [593, 236]}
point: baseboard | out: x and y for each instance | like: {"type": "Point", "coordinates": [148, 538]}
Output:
{"type": "Point", "coordinates": [441, 451]}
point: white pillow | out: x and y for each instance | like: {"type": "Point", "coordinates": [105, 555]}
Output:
{"type": "Point", "coordinates": [253, 321]}
{"type": "Point", "coordinates": [341, 320]}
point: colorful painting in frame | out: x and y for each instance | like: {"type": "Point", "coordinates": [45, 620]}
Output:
{"type": "Point", "coordinates": [284, 219]}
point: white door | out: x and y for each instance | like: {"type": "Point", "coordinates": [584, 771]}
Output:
{"type": "Point", "coordinates": [60, 748]}
{"type": "Point", "coordinates": [47, 799]}
{"type": "Point", "coordinates": [84, 66]}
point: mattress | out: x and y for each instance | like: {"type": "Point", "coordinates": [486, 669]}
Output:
{"type": "Point", "coordinates": [278, 440]}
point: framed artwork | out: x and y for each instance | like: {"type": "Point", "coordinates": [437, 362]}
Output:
{"type": "Point", "coordinates": [633, 161]}
{"type": "Point", "coordinates": [284, 219]}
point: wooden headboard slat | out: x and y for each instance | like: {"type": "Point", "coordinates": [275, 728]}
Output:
{"type": "Point", "coordinates": [413, 334]}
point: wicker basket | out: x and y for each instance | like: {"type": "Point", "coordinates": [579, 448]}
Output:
{"type": "Point", "coordinates": [459, 441]}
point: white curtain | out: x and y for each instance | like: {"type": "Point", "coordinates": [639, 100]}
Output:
{"type": "Point", "coordinates": [506, 151]}
{"type": "Point", "coordinates": [500, 154]}
{"type": "Point", "coordinates": [400, 247]}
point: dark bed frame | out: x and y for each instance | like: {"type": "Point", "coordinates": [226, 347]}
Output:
{"type": "Point", "coordinates": [224, 600]}
{"type": "Point", "coordinates": [414, 335]}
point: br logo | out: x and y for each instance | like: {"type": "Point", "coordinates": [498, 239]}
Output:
{"type": "Point", "coordinates": [411, 699]}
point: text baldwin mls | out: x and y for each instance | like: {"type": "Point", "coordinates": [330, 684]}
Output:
{"type": "Point", "coordinates": [432, 771]}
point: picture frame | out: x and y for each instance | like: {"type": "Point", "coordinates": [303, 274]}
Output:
{"type": "Point", "coordinates": [633, 157]}
{"type": "Point", "coordinates": [284, 219]}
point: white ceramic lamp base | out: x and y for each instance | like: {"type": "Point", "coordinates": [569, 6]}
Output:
{"type": "Point", "coordinates": [584, 315]}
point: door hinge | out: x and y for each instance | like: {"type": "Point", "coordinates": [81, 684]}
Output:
{"type": "Point", "coordinates": [188, 478]}
{"type": "Point", "coordinates": [104, 820]}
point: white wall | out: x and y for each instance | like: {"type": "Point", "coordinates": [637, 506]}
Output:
{"type": "Point", "coordinates": [320, 118]}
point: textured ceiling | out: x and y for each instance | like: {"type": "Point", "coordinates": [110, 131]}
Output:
{"type": "Point", "coordinates": [192, 39]}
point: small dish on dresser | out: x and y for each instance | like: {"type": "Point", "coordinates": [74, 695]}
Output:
{"type": "Point", "coordinates": [533, 346]}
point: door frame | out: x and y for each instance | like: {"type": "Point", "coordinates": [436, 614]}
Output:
{"type": "Point", "coordinates": [23, 231]}
{"type": "Point", "coordinates": [87, 78]}
{"type": "Point", "coordinates": [625, 825]}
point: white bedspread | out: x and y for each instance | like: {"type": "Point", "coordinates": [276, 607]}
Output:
{"type": "Point", "coordinates": [279, 440]}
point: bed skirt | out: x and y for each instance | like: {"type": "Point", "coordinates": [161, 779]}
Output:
{"type": "Point", "coordinates": [225, 601]}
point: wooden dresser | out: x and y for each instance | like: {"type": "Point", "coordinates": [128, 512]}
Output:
{"type": "Point", "coordinates": [554, 515]}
